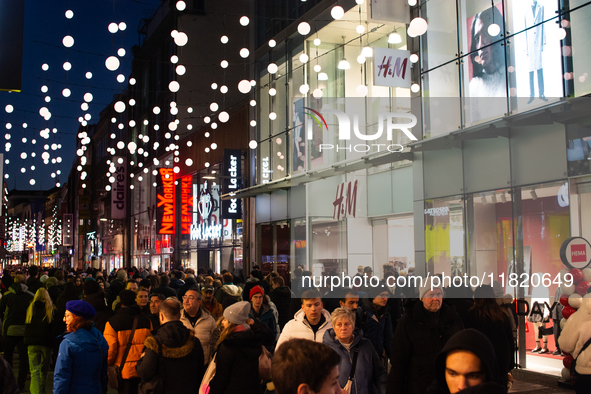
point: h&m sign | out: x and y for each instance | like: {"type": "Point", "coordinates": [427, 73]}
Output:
{"type": "Point", "coordinates": [391, 67]}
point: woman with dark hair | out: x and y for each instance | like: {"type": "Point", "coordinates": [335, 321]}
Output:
{"type": "Point", "coordinates": [493, 321]}
{"type": "Point", "coordinates": [81, 365]}
{"type": "Point", "coordinates": [487, 56]}
{"type": "Point", "coordinates": [238, 352]}
{"type": "Point", "coordinates": [79, 282]}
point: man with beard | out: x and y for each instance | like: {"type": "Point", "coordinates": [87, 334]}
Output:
{"type": "Point", "coordinates": [210, 303]}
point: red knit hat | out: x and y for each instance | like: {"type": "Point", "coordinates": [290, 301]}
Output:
{"type": "Point", "coordinates": [256, 289]}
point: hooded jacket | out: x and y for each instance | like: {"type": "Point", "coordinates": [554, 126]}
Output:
{"type": "Point", "coordinates": [369, 370]}
{"type": "Point", "coordinates": [420, 335]}
{"type": "Point", "coordinates": [202, 329]}
{"type": "Point", "coordinates": [228, 290]}
{"type": "Point", "coordinates": [281, 297]}
{"type": "Point", "coordinates": [298, 327]}
{"type": "Point", "coordinates": [237, 364]}
{"type": "Point", "coordinates": [117, 333]}
{"type": "Point", "coordinates": [473, 341]}
{"type": "Point", "coordinates": [103, 312]}
{"type": "Point", "coordinates": [377, 329]}
{"type": "Point", "coordinates": [13, 309]}
{"type": "Point", "coordinates": [180, 363]}
{"type": "Point", "coordinates": [575, 334]}
{"type": "Point", "coordinates": [81, 365]}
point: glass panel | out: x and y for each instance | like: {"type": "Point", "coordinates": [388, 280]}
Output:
{"type": "Point", "coordinates": [280, 101]}
{"type": "Point", "coordinates": [401, 250]}
{"type": "Point", "coordinates": [579, 23]}
{"type": "Point", "coordinates": [329, 247]}
{"type": "Point", "coordinates": [444, 236]}
{"type": "Point", "coordinates": [578, 150]}
{"type": "Point", "coordinates": [441, 106]}
{"type": "Point", "coordinates": [440, 42]}
{"type": "Point", "coordinates": [279, 154]}
{"type": "Point", "coordinates": [264, 107]}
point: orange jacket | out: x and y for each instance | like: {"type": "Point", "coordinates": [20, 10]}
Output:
{"type": "Point", "coordinates": [117, 332]}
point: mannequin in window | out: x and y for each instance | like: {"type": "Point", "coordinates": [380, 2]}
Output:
{"type": "Point", "coordinates": [540, 315]}
{"type": "Point", "coordinates": [535, 41]}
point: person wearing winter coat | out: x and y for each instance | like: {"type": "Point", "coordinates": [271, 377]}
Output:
{"type": "Point", "coordinates": [575, 334]}
{"type": "Point", "coordinates": [489, 318]}
{"type": "Point", "coordinates": [198, 319]}
{"type": "Point", "coordinates": [228, 289]}
{"type": "Point", "coordinates": [13, 310]}
{"type": "Point", "coordinates": [262, 311]}
{"type": "Point", "coordinates": [34, 283]}
{"type": "Point", "coordinates": [420, 335]}
{"type": "Point", "coordinates": [237, 356]}
{"type": "Point", "coordinates": [345, 339]}
{"type": "Point", "coordinates": [311, 322]}
{"type": "Point", "coordinates": [40, 333]}
{"type": "Point", "coordinates": [95, 297]}
{"type": "Point", "coordinates": [81, 365]}
{"type": "Point", "coordinates": [117, 333]}
{"type": "Point", "coordinates": [281, 296]}
{"type": "Point", "coordinates": [375, 320]}
{"type": "Point", "coordinates": [172, 353]}
{"type": "Point", "coordinates": [255, 279]}
{"type": "Point", "coordinates": [467, 361]}
{"type": "Point", "coordinates": [210, 303]}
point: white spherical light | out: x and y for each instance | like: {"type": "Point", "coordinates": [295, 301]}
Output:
{"type": "Point", "coordinates": [304, 28]}
{"type": "Point", "coordinates": [224, 39]}
{"type": "Point", "coordinates": [223, 117]}
{"type": "Point", "coordinates": [181, 5]}
{"type": "Point", "coordinates": [560, 33]}
{"type": "Point", "coordinates": [120, 52]}
{"type": "Point", "coordinates": [68, 41]}
{"type": "Point", "coordinates": [224, 64]}
{"type": "Point", "coordinates": [69, 14]}
{"type": "Point", "coordinates": [418, 26]}
{"type": "Point", "coordinates": [223, 89]}
{"type": "Point", "coordinates": [156, 110]}
{"type": "Point", "coordinates": [305, 88]}
{"type": "Point", "coordinates": [272, 43]}
{"type": "Point", "coordinates": [244, 86]}
{"type": "Point", "coordinates": [45, 67]}
{"type": "Point", "coordinates": [253, 123]}
{"type": "Point", "coordinates": [174, 59]}
{"type": "Point", "coordinates": [337, 12]}
{"type": "Point", "coordinates": [253, 103]}
{"type": "Point", "coordinates": [9, 108]}
{"type": "Point", "coordinates": [317, 93]}
{"type": "Point", "coordinates": [272, 116]}
{"type": "Point", "coordinates": [112, 63]}
{"type": "Point", "coordinates": [122, 26]}
{"type": "Point", "coordinates": [66, 92]}
{"type": "Point", "coordinates": [244, 21]}
{"type": "Point", "coordinates": [214, 107]}
{"type": "Point", "coordinates": [272, 68]}
{"type": "Point", "coordinates": [304, 58]}
{"type": "Point", "coordinates": [317, 68]}
{"type": "Point", "coordinates": [415, 88]}
{"type": "Point", "coordinates": [252, 144]}
{"type": "Point", "coordinates": [132, 146]}
{"type": "Point", "coordinates": [113, 27]}
{"type": "Point", "coordinates": [414, 58]}
{"type": "Point", "coordinates": [88, 75]}
{"type": "Point", "coordinates": [361, 59]}
{"type": "Point", "coordinates": [181, 39]}
{"type": "Point", "coordinates": [174, 86]}
{"type": "Point", "coordinates": [244, 52]}
{"type": "Point", "coordinates": [67, 66]}
{"type": "Point", "coordinates": [119, 106]}
{"type": "Point", "coordinates": [317, 41]}
{"type": "Point", "coordinates": [180, 69]}
{"type": "Point", "coordinates": [367, 52]}
{"type": "Point", "coordinates": [494, 30]}
{"type": "Point", "coordinates": [32, 182]}
{"type": "Point", "coordinates": [361, 91]}
{"type": "Point", "coordinates": [272, 92]}
{"type": "Point", "coordinates": [189, 162]}
{"type": "Point", "coordinates": [360, 29]}
{"type": "Point", "coordinates": [120, 78]}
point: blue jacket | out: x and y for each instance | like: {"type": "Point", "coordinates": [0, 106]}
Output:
{"type": "Point", "coordinates": [370, 375]}
{"type": "Point", "coordinates": [378, 331]}
{"type": "Point", "coordinates": [81, 365]}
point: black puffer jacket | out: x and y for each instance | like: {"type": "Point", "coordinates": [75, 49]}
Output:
{"type": "Point", "coordinates": [103, 312]}
{"type": "Point", "coordinates": [419, 337]}
{"type": "Point", "coordinates": [13, 306]}
{"type": "Point", "coordinates": [237, 365]}
{"type": "Point", "coordinates": [474, 341]}
{"type": "Point", "coordinates": [40, 331]}
{"type": "Point", "coordinates": [281, 297]}
{"type": "Point", "coordinates": [181, 365]}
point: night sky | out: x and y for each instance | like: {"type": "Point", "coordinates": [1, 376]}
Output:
{"type": "Point", "coordinates": [44, 29]}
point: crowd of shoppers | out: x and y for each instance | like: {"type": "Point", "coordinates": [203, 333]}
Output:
{"type": "Point", "coordinates": [188, 332]}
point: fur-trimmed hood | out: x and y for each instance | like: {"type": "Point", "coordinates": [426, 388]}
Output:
{"type": "Point", "coordinates": [176, 340]}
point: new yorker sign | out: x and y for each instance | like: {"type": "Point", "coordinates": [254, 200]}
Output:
{"type": "Point", "coordinates": [165, 201]}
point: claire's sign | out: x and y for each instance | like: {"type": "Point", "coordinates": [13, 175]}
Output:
{"type": "Point", "coordinates": [119, 189]}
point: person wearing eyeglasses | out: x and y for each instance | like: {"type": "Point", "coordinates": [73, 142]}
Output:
{"type": "Point", "coordinates": [195, 317]}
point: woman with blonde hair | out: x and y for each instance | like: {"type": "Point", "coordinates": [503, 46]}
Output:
{"type": "Point", "coordinates": [40, 331]}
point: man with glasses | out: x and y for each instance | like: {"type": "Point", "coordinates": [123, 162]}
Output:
{"type": "Point", "coordinates": [420, 335]}
{"type": "Point", "coordinates": [195, 317]}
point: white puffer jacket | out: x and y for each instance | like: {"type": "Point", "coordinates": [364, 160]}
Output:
{"type": "Point", "coordinates": [203, 331]}
{"type": "Point", "coordinates": [299, 327]}
{"type": "Point", "coordinates": [575, 334]}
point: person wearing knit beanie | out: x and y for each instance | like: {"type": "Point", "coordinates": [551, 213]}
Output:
{"type": "Point", "coordinates": [255, 290]}
{"type": "Point", "coordinates": [237, 313]}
